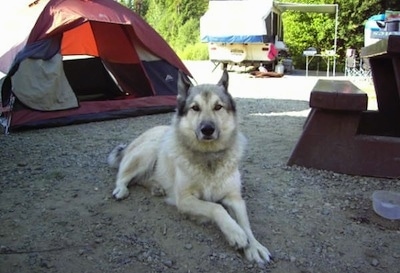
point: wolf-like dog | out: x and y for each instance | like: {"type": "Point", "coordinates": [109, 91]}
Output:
{"type": "Point", "coordinates": [194, 162]}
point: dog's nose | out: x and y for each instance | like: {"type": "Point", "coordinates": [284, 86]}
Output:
{"type": "Point", "coordinates": [207, 129]}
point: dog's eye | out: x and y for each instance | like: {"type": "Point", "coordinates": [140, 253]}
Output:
{"type": "Point", "coordinates": [217, 107]}
{"type": "Point", "coordinates": [195, 108]}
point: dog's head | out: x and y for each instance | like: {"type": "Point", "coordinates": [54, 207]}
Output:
{"type": "Point", "coordinates": [206, 113]}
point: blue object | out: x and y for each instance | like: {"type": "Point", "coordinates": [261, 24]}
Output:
{"type": "Point", "coordinates": [234, 39]}
{"type": "Point", "coordinates": [371, 22]}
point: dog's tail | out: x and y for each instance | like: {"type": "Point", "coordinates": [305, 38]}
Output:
{"type": "Point", "coordinates": [115, 157]}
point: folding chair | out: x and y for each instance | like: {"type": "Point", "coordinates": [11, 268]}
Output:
{"type": "Point", "coordinates": [365, 68]}
{"type": "Point", "coordinates": [351, 68]}
{"type": "Point", "coordinates": [5, 114]}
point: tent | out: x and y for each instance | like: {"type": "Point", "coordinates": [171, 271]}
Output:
{"type": "Point", "coordinates": [86, 60]}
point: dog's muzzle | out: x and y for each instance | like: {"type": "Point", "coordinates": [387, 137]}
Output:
{"type": "Point", "coordinates": [207, 131]}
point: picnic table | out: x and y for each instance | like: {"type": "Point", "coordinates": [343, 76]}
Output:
{"type": "Point", "coordinates": [341, 135]}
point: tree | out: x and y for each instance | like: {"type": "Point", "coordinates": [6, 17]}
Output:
{"type": "Point", "coordinates": [177, 21]}
{"type": "Point", "coordinates": [138, 6]}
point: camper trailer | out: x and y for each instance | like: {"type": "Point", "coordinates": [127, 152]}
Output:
{"type": "Point", "coordinates": [244, 32]}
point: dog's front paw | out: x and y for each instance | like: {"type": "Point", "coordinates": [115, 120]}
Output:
{"type": "Point", "coordinates": [237, 238]}
{"type": "Point", "coordinates": [157, 191]}
{"type": "Point", "coordinates": [120, 192]}
{"type": "Point", "coordinates": [258, 253]}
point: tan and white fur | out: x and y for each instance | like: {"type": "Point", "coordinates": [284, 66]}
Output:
{"type": "Point", "coordinates": [194, 163]}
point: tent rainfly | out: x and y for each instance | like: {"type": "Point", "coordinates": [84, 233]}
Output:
{"type": "Point", "coordinates": [86, 60]}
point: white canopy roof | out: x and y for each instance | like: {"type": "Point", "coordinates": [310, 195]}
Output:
{"type": "Point", "coordinates": [319, 8]}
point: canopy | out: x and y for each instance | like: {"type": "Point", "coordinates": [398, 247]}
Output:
{"type": "Point", "coordinates": [317, 8]}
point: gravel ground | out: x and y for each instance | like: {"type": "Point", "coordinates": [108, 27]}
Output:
{"type": "Point", "coordinates": [57, 213]}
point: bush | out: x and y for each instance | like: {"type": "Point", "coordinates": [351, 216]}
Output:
{"type": "Point", "coordinates": [197, 51]}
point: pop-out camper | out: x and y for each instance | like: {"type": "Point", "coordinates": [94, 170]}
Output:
{"type": "Point", "coordinates": [245, 32]}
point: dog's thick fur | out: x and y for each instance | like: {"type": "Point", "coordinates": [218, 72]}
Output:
{"type": "Point", "coordinates": [194, 163]}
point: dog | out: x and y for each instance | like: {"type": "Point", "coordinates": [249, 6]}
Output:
{"type": "Point", "coordinates": [194, 163]}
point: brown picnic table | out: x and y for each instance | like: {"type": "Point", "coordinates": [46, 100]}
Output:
{"type": "Point", "coordinates": [341, 135]}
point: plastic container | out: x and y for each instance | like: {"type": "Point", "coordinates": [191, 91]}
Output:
{"type": "Point", "coordinates": [279, 68]}
{"type": "Point", "coordinates": [387, 204]}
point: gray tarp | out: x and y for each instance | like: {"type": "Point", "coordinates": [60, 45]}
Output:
{"type": "Point", "coordinates": [42, 85]}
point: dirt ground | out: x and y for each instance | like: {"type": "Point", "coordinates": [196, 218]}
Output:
{"type": "Point", "coordinates": [57, 213]}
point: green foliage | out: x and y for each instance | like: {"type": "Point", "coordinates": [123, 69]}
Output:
{"type": "Point", "coordinates": [187, 44]}
{"type": "Point", "coordinates": [187, 34]}
{"type": "Point", "coordinates": [138, 6]}
{"type": "Point", "coordinates": [197, 51]}
{"type": "Point", "coordinates": [178, 22]}
{"type": "Point", "coordinates": [304, 30]}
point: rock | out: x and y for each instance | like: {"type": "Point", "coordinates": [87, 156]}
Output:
{"type": "Point", "coordinates": [374, 262]}
{"type": "Point", "coordinates": [168, 263]}
{"type": "Point", "coordinates": [4, 250]}
{"type": "Point", "coordinates": [188, 246]}
{"type": "Point", "coordinates": [22, 164]}
{"type": "Point", "coordinates": [325, 211]}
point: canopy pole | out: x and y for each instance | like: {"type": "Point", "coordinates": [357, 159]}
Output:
{"type": "Point", "coordinates": [335, 41]}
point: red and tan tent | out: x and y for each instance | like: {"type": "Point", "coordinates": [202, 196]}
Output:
{"type": "Point", "coordinates": [88, 60]}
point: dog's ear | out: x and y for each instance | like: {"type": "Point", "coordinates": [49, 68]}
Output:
{"type": "Point", "coordinates": [183, 85]}
{"type": "Point", "coordinates": [224, 81]}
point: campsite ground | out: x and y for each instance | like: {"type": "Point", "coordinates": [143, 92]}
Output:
{"type": "Point", "coordinates": [57, 214]}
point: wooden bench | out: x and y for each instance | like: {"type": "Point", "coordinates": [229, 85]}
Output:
{"type": "Point", "coordinates": [338, 95]}
{"type": "Point", "coordinates": [334, 135]}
